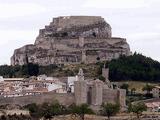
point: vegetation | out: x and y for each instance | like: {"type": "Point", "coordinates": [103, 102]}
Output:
{"type": "Point", "coordinates": [110, 109]}
{"type": "Point", "coordinates": [80, 110]}
{"type": "Point", "coordinates": [49, 110]}
{"type": "Point", "coordinates": [46, 110]}
{"type": "Point", "coordinates": [148, 88]}
{"type": "Point", "coordinates": [15, 117]}
{"type": "Point", "coordinates": [134, 67]}
{"type": "Point", "coordinates": [125, 86]}
{"type": "Point", "coordinates": [102, 78]}
{"type": "Point", "coordinates": [91, 70]}
{"type": "Point", "coordinates": [137, 108]}
{"type": "Point", "coordinates": [19, 71]}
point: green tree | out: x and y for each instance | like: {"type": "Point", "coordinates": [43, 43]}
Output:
{"type": "Point", "coordinates": [102, 78]}
{"type": "Point", "coordinates": [137, 108]}
{"type": "Point", "coordinates": [30, 69]}
{"type": "Point", "coordinates": [133, 90]}
{"type": "Point", "coordinates": [50, 110]}
{"type": "Point", "coordinates": [125, 86]}
{"type": "Point", "coordinates": [80, 110]}
{"type": "Point", "coordinates": [34, 110]}
{"type": "Point", "coordinates": [134, 67]}
{"type": "Point", "coordinates": [147, 88]}
{"type": "Point", "coordinates": [110, 109]}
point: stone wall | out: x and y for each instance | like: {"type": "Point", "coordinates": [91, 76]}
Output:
{"type": "Point", "coordinates": [80, 90]}
{"type": "Point", "coordinates": [72, 40]}
{"type": "Point", "coordinates": [65, 99]}
{"type": "Point", "coordinates": [110, 96]}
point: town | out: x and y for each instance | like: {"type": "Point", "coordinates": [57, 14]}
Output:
{"type": "Point", "coordinates": [76, 68]}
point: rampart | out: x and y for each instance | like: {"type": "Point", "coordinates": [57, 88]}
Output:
{"type": "Point", "coordinates": [65, 99]}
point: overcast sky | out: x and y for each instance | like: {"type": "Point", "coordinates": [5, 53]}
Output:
{"type": "Point", "coordinates": [136, 20]}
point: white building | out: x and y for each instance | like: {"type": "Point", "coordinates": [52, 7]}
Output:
{"type": "Point", "coordinates": [70, 83]}
{"type": "Point", "coordinates": [1, 79]}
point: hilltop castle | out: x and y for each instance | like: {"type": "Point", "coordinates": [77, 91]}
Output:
{"type": "Point", "coordinates": [71, 40]}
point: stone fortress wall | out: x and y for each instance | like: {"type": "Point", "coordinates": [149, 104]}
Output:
{"type": "Point", "coordinates": [65, 99]}
{"type": "Point", "coordinates": [91, 92]}
{"type": "Point", "coordinates": [71, 40]}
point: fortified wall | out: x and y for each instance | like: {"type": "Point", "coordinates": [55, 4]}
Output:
{"type": "Point", "coordinates": [65, 99]}
{"type": "Point", "coordinates": [71, 40]}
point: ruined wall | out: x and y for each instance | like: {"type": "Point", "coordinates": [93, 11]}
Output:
{"type": "Point", "coordinates": [115, 96]}
{"type": "Point", "coordinates": [65, 99]}
{"type": "Point", "coordinates": [72, 40]}
{"type": "Point", "coordinates": [97, 93]}
{"type": "Point", "coordinates": [122, 97]}
{"type": "Point", "coordinates": [110, 96]}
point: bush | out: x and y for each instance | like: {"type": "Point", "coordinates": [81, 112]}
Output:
{"type": "Point", "coordinates": [110, 109]}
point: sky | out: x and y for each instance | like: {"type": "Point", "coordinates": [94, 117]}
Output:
{"type": "Point", "coordinates": [136, 20]}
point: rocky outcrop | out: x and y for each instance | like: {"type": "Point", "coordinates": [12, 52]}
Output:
{"type": "Point", "coordinates": [70, 40]}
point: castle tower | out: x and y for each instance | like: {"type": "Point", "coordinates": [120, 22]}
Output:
{"type": "Point", "coordinates": [80, 75]}
{"type": "Point", "coordinates": [80, 89]}
{"type": "Point", "coordinates": [122, 98]}
{"type": "Point", "coordinates": [97, 92]}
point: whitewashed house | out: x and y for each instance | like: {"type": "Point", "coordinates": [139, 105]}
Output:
{"type": "Point", "coordinates": [70, 83]}
{"type": "Point", "coordinates": [54, 85]}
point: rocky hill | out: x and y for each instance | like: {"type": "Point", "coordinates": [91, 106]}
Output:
{"type": "Point", "coordinates": [72, 40]}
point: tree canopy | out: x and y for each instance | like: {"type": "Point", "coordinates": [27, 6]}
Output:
{"type": "Point", "coordinates": [134, 67]}
{"type": "Point", "coordinates": [110, 109]}
{"type": "Point", "coordinates": [137, 108]}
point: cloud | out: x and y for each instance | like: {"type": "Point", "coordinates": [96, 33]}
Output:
{"type": "Point", "coordinates": [20, 9]}
{"type": "Point", "coordinates": [116, 3]}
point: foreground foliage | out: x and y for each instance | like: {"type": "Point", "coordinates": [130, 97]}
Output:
{"type": "Point", "coordinates": [110, 109]}
{"type": "Point", "coordinates": [15, 117]}
{"type": "Point", "coordinates": [49, 110]}
{"type": "Point", "coordinates": [137, 108]}
{"type": "Point", "coordinates": [80, 110]}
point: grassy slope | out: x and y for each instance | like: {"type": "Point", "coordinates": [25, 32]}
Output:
{"type": "Point", "coordinates": [137, 84]}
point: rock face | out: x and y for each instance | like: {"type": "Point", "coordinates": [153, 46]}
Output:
{"type": "Point", "coordinates": [71, 40]}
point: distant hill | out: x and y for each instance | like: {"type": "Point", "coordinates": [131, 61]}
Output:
{"type": "Point", "coordinates": [135, 67]}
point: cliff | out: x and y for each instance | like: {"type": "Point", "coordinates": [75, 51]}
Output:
{"type": "Point", "coordinates": [71, 40]}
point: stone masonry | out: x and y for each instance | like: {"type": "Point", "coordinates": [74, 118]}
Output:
{"type": "Point", "coordinates": [96, 92]}
{"type": "Point", "coordinates": [72, 40]}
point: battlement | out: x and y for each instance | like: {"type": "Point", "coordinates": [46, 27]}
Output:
{"type": "Point", "coordinates": [68, 21]}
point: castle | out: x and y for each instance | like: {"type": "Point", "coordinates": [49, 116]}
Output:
{"type": "Point", "coordinates": [85, 91]}
{"type": "Point", "coordinates": [73, 40]}
{"type": "Point", "coordinates": [96, 92]}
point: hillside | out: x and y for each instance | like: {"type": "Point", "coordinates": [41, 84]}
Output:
{"type": "Point", "coordinates": [135, 67]}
